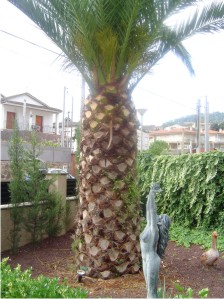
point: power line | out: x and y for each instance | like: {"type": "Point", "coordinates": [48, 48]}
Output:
{"type": "Point", "coordinates": [168, 99]}
{"type": "Point", "coordinates": [32, 43]}
{"type": "Point", "coordinates": [27, 41]}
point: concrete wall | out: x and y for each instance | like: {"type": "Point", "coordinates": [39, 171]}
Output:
{"type": "Point", "coordinates": [6, 224]}
{"type": "Point", "coordinates": [48, 153]}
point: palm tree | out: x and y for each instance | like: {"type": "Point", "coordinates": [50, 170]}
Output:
{"type": "Point", "coordinates": [114, 43]}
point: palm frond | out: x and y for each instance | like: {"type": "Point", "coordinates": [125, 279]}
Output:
{"type": "Point", "coordinates": [181, 52]}
{"type": "Point", "coordinates": [120, 41]}
{"type": "Point", "coordinates": [206, 18]}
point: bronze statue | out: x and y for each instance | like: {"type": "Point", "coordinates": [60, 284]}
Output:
{"type": "Point", "coordinates": [153, 241]}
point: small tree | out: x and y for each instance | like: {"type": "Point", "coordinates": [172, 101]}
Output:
{"type": "Point", "coordinates": [54, 211]}
{"type": "Point", "coordinates": [46, 208]}
{"type": "Point", "coordinates": [17, 186]}
{"type": "Point", "coordinates": [158, 147]}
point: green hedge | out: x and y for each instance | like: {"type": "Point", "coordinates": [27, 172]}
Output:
{"type": "Point", "coordinates": [193, 187]}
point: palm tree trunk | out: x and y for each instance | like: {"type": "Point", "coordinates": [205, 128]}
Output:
{"type": "Point", "coordinates": [107, 232]}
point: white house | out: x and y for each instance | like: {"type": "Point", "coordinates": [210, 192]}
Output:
{"type": "Point", "coordinates": [184, 140]}
{"type": "Point", "coordinates": [30, 113]}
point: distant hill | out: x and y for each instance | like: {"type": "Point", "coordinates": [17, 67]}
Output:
{"type": "Point", "coordinates": [214, 118]}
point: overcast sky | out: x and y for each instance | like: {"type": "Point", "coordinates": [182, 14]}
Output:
{"type": "Point", "coordinates": [168, 92]}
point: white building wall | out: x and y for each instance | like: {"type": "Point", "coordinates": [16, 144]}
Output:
{"type": "Point", "coordinates": [1, 116]}
{"type": "Point", "coordinates": [18, 110]}
{"type": "Point", "coordinates": [145, 140]}
{"type": "Point", "coordinates": [21, 98]}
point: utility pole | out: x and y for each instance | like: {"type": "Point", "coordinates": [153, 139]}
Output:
{"type": "Point", "coordinates": [141, 112]}
{"type": "Point", "coordinates": [198, 126]}
{"type": "Point", "coordinates": [71, 123]}
{"type": "Point", "coordinates": [82, 96]}
{"type": "Point", "coordinates": [63, 120]}
{"type": "Point", "coordinates": [206, 125]}
{"type": "Point", "coordinates": [67, 128]}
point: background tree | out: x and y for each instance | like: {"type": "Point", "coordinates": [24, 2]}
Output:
{"type": "Point", "coordinates": [114, 44]}
{"type": "Point", "coordinates": [214, 127]}
{"type": "Point", "coordinates": [217, 126]}
{"type": "Point", "coordinates": [158, 147]}
{"type": "Point", "coordinates": [17, 188]}
{"type": "Point", "coordinates": [214, 117]}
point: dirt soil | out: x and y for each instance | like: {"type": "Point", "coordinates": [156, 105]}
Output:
{"type": "Point", "coordinates": [54, 258]}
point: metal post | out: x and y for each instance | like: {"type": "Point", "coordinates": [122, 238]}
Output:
{"type": "Point", "coordinates": [63, 121]}
{"type": "Point", "coordinates": [82, 97]}
{"type": "Point", "coordinates": [206, 125]}
{"type": "Point", "coordinates": [141, 112]}
{"type": "Point", "coordinates": [71, 123]}
{"type": "Point", "coordinates": [67, 129]}
{"type": "Point", "coordinates": [198, 126]}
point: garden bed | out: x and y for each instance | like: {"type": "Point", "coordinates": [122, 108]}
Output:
{"type": "Point", "coordinates": [54, 258]}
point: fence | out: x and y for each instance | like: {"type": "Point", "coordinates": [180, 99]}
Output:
{"type": "Point", "coordinates": [49, 153]}
{"type": "Point", "coordinates": [5, 194]}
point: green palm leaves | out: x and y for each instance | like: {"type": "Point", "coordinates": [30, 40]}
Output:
{"type": "Point", "coordinates": [118, 42]}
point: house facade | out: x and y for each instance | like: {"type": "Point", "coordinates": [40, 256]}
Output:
{"type": "Point", "coordinates": [30, 113]}
{"type": "Point", "coordinates": [184, 140]}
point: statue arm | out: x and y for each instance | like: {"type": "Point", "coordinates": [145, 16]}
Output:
{"type": "Point", "coordinates": [151, 211]}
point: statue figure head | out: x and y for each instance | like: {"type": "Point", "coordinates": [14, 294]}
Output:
{"type": "Point", "coordinates": [155, 187]}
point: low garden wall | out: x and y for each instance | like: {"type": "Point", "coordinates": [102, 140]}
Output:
{"type": "Point", "coordinates": [59, 185]}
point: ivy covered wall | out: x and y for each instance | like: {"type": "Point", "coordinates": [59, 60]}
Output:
{"type": "Point", "coordinates": [193, 187]}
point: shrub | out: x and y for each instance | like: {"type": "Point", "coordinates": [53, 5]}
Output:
{"type": "Point", "coordinates": [19, 284]}
{"type": "Point", "coordinates": [193, 187]}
